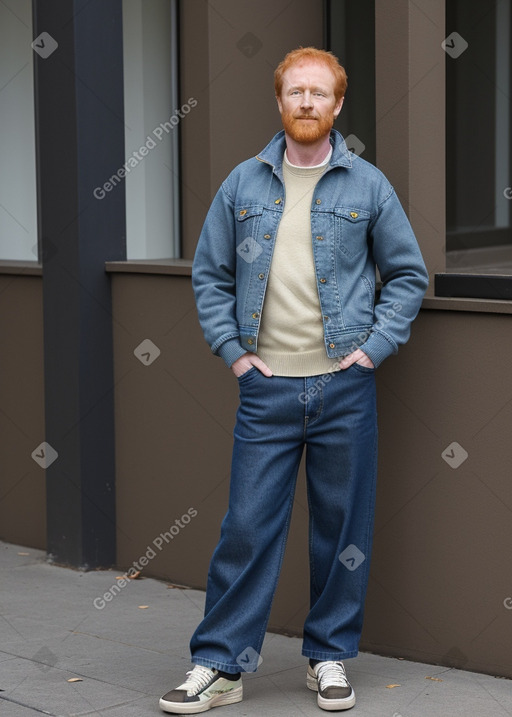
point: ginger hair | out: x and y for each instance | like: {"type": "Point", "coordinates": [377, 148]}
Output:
{"type": "Point", "coordinates": [324, 57]}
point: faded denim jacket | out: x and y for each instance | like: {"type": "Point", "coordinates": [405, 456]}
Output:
{"type": "Point", "coordinates": [357, 223]}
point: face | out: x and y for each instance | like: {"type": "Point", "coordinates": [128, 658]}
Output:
{"type": "Point", "coordinates": [307, 104]}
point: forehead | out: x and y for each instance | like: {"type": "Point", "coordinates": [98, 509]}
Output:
{"type": "Point", "coordinates": [307, 74]}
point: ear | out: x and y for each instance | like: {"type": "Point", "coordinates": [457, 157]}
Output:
{"type": "Point", "coordinates": [279, 104]}
{"type": "Point", "coordinates": [337, 108]}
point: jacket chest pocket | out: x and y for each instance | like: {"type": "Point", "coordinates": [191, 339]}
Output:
{"type": "Point", "coordinates": [351, 230]}
{"type": "Point", "coordinates": [248, 247]}
{"type": "Point", "coordinates": [247, 221]}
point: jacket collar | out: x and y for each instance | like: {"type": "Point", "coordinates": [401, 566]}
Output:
{"type": "Point", "coordinates": [274, 151]}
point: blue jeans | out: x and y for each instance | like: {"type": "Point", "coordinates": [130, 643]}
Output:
{"type": "Point", "coordinates": [335, 417]}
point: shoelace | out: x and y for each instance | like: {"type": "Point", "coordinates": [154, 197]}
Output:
{"type": "Point", "coordinates": [197, 679]}
{"type": "Point", "coordinates": [332, 674]}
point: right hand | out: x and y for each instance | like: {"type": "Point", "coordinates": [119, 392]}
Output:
{"type": "Point", "coordinates": [245, 362]}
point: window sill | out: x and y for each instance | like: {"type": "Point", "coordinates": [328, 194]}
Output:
{"type": "Point", "coordinates": [183, 267]}
{"type": "Point", "coordinates": [173, 267]}
{"type": "Point", "coordinates": [21, 268]}
{"type": "Point", "coordinates": [486, 306]}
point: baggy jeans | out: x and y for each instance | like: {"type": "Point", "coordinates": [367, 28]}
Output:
{"type": "Point", "coordinates": [334, 416]}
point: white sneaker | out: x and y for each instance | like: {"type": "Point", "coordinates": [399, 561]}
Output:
{"type": "Point", "coordinates": [329, 679]}
{"type": "Point", "coordinates": [203, 689]}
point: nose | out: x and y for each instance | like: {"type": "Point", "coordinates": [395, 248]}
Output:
{"type": "Point", "coordinates": [306, 100]}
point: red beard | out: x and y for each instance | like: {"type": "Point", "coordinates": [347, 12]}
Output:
{"type": "Point", "coordinates": [306, 131]}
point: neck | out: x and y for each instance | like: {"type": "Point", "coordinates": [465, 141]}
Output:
{"type": "Point", "coordinates": [307, 155]}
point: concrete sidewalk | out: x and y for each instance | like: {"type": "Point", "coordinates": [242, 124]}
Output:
{"type": "Point", "coordinates": [124, 656]}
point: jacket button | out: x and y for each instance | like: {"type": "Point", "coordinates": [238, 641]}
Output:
{"type": "Point", "coordinates": [250, 342]}
{"type": "Point", "coordinates": [278, 201]}
{"type": "Point", "coordinates": [326, 318]}
{"type": "Point", "coordinates": [255, 315]}
{"type": "Point", "coordinates": [266, 236]}
{"type": "Point", "coordinates": [322, 280]}
{"type": "Point", "coordinates": [354, 215]}
{"type": "Point", "coordinates": [243, 212]}
{"type": "Point", "coordinates": [318, 201]}
{"type": "Point", "coordinates": [261, 276]}
{"type": "Point", "coordinates": [332, 346]}
{"type": "Point", "coordinates": [320, 238]}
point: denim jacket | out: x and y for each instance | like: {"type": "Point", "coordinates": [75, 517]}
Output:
{"type": "Point", "coordinates": [357, 223]}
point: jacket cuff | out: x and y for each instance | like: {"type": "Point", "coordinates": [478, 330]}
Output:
{"type": "Point", "coordinates": [230, 351]}
{"type": "Point", "coordinates": [378, 348]}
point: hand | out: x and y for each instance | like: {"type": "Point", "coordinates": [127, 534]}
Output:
{"type": "Point", "coordinates": [357, 356]}
{"type": "Point", "coordinates": [245, 362]}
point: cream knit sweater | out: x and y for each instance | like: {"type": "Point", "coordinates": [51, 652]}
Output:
{"type": "Point", "coordinates": [291, 337]}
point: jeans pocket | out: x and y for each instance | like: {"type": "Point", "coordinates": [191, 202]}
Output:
{"type": "Point", "coordinates": [363, 369]}
{"type": "Point", "coordinates": [250, 372]}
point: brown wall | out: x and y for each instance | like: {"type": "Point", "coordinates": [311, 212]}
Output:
{"type": "Point", "coordinates": [22, 484]}
{"type": "Point", "coordinates": [173, 427]}
{"type": "Point", "coordinates": [441, 565]}
{"type": "Point", "coordinates": [440, 572]}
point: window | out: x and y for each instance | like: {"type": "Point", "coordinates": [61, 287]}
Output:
{"type": "Point", "coordinates": [152, 116]}
{"type": "Point", "coordinates": [479, 146]}
{"type": "Point", "coordinates": [18, 213]}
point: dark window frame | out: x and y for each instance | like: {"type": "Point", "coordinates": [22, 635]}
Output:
{"type": "Point", "coordinates": [467, 283]}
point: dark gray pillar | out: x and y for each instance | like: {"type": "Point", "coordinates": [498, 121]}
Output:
{"type": "Point", "coordinates": [78, 75]}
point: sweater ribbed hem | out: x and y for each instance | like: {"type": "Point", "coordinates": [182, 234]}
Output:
{"type": "Point", "coordinates": [299, 365]}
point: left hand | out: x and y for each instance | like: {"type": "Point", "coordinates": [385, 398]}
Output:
{"type": "Point", "coordinates": [357, 356]}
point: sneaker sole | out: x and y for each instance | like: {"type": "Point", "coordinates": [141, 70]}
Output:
{"type": "Point", "coordinates": [330, 705]}
{"type": "Point", "coordinates": [193, 708]}
{"type": "Point", "coordinates": [311, 683]}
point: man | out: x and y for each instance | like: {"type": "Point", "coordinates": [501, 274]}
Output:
{"type": "Point", "coordinates": [284, 277]}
